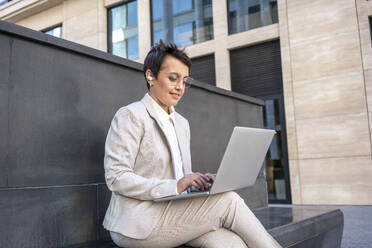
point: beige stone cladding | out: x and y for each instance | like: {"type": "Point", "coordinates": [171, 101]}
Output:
{"type": "Point", "coordinates": [45, 19]}
{"type": "Point", "coordinates": [326, 105]}
{"type": "Point", "coordinates": [83, 21]}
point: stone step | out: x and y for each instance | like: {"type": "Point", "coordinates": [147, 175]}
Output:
{"type": "Point", "coordinates": [292, 227]}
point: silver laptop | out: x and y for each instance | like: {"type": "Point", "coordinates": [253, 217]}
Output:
{"type": "Point", "coordinates": [240, 164]}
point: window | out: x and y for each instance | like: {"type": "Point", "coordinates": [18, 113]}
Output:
{"type": "Point", "coordinates": [55, 31]}
{"type": "Point", "coordinates": [184, 22]}
{"type": "Point", "coordinates": [123, 30]}
{"type": "Point", "coordinates": [249, 14]}
{"type": "Point", "coordinates": [2, 2]}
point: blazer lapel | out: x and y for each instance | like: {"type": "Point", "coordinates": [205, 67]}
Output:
{"type": "Point", "coordinates": [148, 104]}
{"type": "Point", "coordinates": [182, 143]}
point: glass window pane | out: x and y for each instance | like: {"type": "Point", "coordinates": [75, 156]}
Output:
{"type": "Point", "coordinates": [157, 12]}
{"type": "Point", "coordinates": [249, 14]}
{"type": "Point", "coordinates": [183, 34]}
{"type": "Point", "coordinates": [132, 13]}
{"type": "Point", "coordinates": [4, 1]}
{"type": "Point", "coordinates": [56, 31]}
{"type": "Point", "coordinates": [133, 47]}
{"type": "Point", "coordinates": [123, 34]}
{"type": "Point", "coordinates": [158, 35]}
{"type": "Point", "coordinates": [181, 6]}
{"type": "Point", "coordinates": [275, 158]}
{"type": "Point", "coordinates": [184, 22]}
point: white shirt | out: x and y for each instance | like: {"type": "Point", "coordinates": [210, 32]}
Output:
{"type": "Point", "coordinates": [167, 121]}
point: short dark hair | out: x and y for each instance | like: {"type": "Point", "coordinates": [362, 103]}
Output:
{"type": "Point", "coordinates": [156, 55]}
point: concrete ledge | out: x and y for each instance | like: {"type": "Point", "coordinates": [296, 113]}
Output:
{"type": "Point", "coordinates": [292, 227]}
{"type": "Point", "coordinates": [39, 37]}
{"type": "Point", "coordinates": [303, 227]}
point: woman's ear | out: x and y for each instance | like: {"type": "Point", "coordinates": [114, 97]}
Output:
{"type": "Point", "coordinates": [149, 77]}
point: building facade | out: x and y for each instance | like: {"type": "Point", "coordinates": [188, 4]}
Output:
{"type": "Point", "coordinates": [310, 61]}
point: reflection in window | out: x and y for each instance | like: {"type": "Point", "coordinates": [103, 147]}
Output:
{"type": "Point", "coordinates": [184, 22]}
{"type": "Point", "coordinates": [275, 158]}
{"type": "Point", "coordinates": [250, 14]}
{"type": "Point", "coordinates": [181, 6]}
{"type": "Point", "coordinates": [123, 31]}
{"type": "Point", "coordinates": [55, 31]}
{"type": "Point", "coordinates": [182, 33]}
{"type": "Point", "coordinates": [2, 2]}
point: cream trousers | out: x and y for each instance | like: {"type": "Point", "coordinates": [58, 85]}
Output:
{"type": "Point", "coordinates": [215, 221]}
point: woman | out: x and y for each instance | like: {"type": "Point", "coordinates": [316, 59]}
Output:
{"type": "Point", "coordinates": [147, 156]}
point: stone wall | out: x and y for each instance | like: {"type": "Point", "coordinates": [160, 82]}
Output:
{"type": "Point", "coordinates": [326, 89]}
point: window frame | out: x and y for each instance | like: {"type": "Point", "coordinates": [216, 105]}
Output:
{"type": "Point", "coordinates": [109, 27]}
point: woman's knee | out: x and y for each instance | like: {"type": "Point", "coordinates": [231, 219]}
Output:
{"type": "Point", "coordinates": [117, 239]}
{"type": "Point", "coordinates": [232, 196]}
{"type": "Point", "coordinates": [221, 238]}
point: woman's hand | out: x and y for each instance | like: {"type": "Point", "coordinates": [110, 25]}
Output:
{"type": "Point", "coordinates": [198, 180]}
{"type": "Point", "coordinates": [211, 177]}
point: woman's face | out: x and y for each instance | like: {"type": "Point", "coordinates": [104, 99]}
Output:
{"type": "Point", "coordinates": [167, 89]}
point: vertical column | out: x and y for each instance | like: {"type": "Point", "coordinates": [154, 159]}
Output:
{"type": "Point", "coordinates": [294, 171]}
{"type": "Point", "coordinates": [222, 56]}
{"type": "Point", "coordinates": [222, 64]}
{"type": "Point", "coordinates": [102, 26]}
{"type": "Point", "coordinates": [144, 28]}
{"type": "Point", "coordinates": [64, 18]}
{"type": "Point", "coordinates": [364, 11]}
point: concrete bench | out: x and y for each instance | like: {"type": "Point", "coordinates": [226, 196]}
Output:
{"type": "Point", "coordinates": [293, 227]}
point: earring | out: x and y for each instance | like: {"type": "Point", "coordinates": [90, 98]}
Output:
{"type": "Point", "coordinates": [149, 78]}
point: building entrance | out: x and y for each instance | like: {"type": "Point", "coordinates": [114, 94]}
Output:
{"type": "Point", "coordinates": [256, 71]}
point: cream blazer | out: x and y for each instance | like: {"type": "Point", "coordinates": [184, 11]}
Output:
{"type": "Point", "coordinates": [138, 168]}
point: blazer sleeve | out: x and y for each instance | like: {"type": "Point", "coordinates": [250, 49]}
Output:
{"type": "Point", "coordinates": [122, 145]}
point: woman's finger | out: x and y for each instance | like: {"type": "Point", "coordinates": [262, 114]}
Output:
{"type": "Point", "coordinates": [193, 183]}
{"type": "Point", "coordinates": [205, 182]}
{"type": "Point", "coordinates": [210, 177]}
{"type": "Point", "coordinates": [203, 176]}
{"type": "Point", "coordinates": [200, 183]}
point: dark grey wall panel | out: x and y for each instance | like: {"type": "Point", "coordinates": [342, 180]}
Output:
{"type": "Point", "coordinates": [3, 134]}
{"type": "Point", "coordinates": [5, 58]}
{"type": "Point", "coordinates": [203, 69]}
{"type": "Point", "coordinates": [104, 195]}
{"type": "Point", "coordinates": [47, 217]}
{"type": "Point", "coordinates": [61, 106]}
{"type": "Point", "coordinates": [255, 196]}
{"type": "Point", "coordinates": [256, 70]}
{"type": "Point", "coordinates": [212, 118]}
